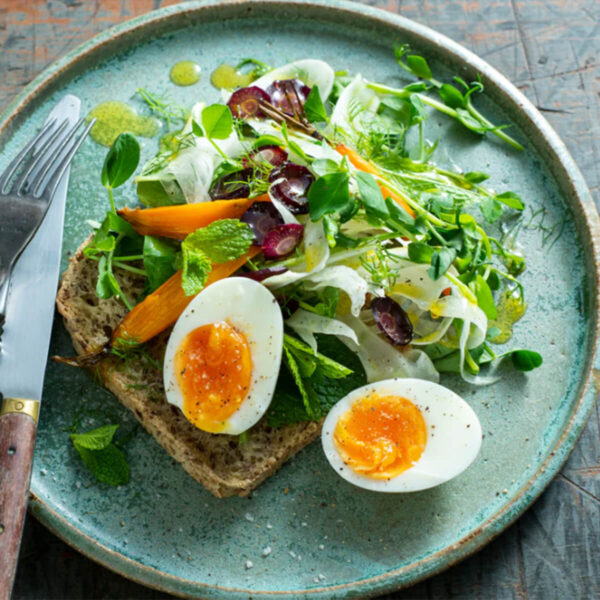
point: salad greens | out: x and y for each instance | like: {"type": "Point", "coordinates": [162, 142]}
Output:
{"type": "Point", "coordinates": [359, 210]}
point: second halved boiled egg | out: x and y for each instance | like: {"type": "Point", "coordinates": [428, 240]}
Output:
{"type": "Point", "coordinates": [401, 435]}
{"type": "Point", "coordinates": [222, 359]}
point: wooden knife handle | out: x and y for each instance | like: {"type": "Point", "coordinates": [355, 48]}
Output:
{"type": "Point", "coordinates": [18, 424]}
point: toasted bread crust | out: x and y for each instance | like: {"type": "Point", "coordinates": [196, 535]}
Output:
{"type": "Point", "coordinates": [219, 462]}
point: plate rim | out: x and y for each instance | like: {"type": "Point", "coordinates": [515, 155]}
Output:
{"type": "Point", "coordinates": [559, 158]}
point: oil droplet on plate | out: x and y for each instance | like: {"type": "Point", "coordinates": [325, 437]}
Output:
{"type": "Point", "coordinates": [114, 117]}
{"type": "Point", "coordinates": [227, 77]}
{"type": "Point", "coordinates": [185, 72]}
{"type": "Point", "coordinates": [510, 309]}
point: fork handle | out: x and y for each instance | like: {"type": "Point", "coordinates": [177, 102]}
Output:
{"type": "Point", "coordinates": [18, 424]}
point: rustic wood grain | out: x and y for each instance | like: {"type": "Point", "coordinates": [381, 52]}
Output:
{"type": "Point", "coordinates": [17, 442]}
{"type": "Point", "coordinates": [550, 49]}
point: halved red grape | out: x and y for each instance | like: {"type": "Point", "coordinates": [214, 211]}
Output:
{"type": "Point", "coordinates": [244, 102]}
{"type": "Point", "coordinates": [282, 240]}
{"type": "Point", "coordinates": [289, 95]}
{"type": "Point", "coordinates": [289, 184]}
{"type": "Point", "coordinates": [233, 185]}
{"type": "Point", "coordinates": [393, 321]}
{"type": "Point", "coordinates": [263, 274]}
{"type": "Point", "coordinates": [272, 154]}
{"type": "Point", "coordinates": [262, 217]}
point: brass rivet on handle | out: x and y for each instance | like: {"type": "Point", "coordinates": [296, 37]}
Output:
{"type": "Point", "coordinates": [22, 406]}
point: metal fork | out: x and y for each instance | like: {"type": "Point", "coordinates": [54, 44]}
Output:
{"type": "Point", "coordinates": [26, 190]}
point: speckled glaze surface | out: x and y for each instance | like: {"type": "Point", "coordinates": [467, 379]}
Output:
{"type": "Point", "coordinates": [327, 538]}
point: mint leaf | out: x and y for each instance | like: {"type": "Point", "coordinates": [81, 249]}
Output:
{"type": "Point", "coordinates": [286, 407]}
{"type": "Point", "coordinates": [326, 366]}
{"type": "Point", "coordinates": [108, 465]}
{"type": "Point", "coordinates": [311, 403]}
{"type": "Point", "coordinates": [371, 195]}
{"type": "Point", "coordinates": [101, 456]}
{"type": "Point", "coordinates": [221, 241]}
{"type": "Point", "coordinates": [121, 161]}
{"type": "Point", "coordinates": [195, 269]}
{"type": "Point", "coordinates": [97, 439]}
{"type": "Point", "coordinates": [314, 109]}
{"type": "Point", "coordinates": [330, 193]}
{"type": "Point", "coordinates": [217, 121]}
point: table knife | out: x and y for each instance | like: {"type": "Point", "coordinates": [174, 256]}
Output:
{"type": "Point", "coordinates": [24, 353]}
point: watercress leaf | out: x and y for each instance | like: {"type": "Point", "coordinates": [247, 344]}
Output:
{"type": "Point", "coordinates": [470, 122]}
{"type": "Point", "coordinates": [266, 140]}
{"type": "Point", "coordinates": [526, 360]}
{"type": "Point", "coordinates": [159, 256]}
{"type": "Point", "coordinates": [195, 269]}
{"type": "Point", "coordinates": [371, 195]}
{"type": "Point", "coordinates": [217, 121]}
{"type": "Point", "coordinates": [493, 280]}
{"type": "Point", "coordinates": [476, 176]}
{"type": "Point", "coordinates": [328, 194]}
{"type": "Point", "coordinates": [222, 240]}
{"type": "Point", "coordinates": [511, 200]}
{"type": "Point", "coordinates": [332, 228]}
{"type": "Point", "coordinates": [314, 109]}
{"type": "Point", "coordinates": [485, 299]}
{"type": "Point", "coordinates": [106, 283]}
{"type": "Point", "coordinates": [420, 253]}
{"type": "Point", "coordinates": [197, 129]}
{"type": "Point", "coordinates": [323, 166]}
{"type": "Point", "coordinates": [398, 214]}
{"type": "Point", "coordinates": [96, 439]}
{"type": "Point", "coordinates": [117, 224]}
{"type": "Point", "coordinates": [419, 112]}
{"type": "Point", "coordinates": [121, 161]}
{"type": "Point", "coordinates": [441, 261]}
{"type": "Point", "coordinates": [108, 465]}
{"type": "Point", "coordinates": [451, 96]}
{"type": "Point", "coordinates": [491, 209]}
{"type": "Point", "coordinates": [418, 65]}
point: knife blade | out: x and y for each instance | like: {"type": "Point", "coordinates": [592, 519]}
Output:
{"type": "Point", "coordinates": [23, 357]}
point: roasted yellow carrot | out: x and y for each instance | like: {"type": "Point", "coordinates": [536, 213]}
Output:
{"type": "Point", "coordinates": [181, 219]}
{"type": "Point", "coordinates": [162, 307]}
{"type": "Point", "coordinates": [364, 165]}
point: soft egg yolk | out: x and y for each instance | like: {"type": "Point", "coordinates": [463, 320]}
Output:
{"type": "Point", "coordinates": [213, 367]}
{"type": "Point", "coordinates": [381, 436]}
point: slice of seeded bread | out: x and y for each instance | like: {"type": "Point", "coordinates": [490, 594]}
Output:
{"type": "Point", "coordinates": [224, 466]}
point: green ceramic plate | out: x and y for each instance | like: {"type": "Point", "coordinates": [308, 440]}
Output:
{"type": "Point", "coordinates": [327, 539]}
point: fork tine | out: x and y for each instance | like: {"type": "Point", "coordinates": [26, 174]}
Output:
{"type": "Point", "coordinates": [61, 167]}
{"type": "Point", "coordinates": [17, 160]}
{"type": "Point", "coordinates": [51, 156]}
{"type": "Point", "coordinates": [37, 158]}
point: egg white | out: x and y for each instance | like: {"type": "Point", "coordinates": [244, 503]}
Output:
{"type": "Point", "coordinates": [251, 309]}
{"type": "Point", "coordinates": [453, 435]}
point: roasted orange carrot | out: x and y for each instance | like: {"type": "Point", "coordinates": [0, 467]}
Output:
{"type": "Point", "coordinates": [162, 307]}
{"type": "Point", "coordinates": [181, 219]}
{"type": "Point", "coordinates": [364, 165]}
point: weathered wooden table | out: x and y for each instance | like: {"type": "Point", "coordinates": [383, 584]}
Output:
{"type": "Point", "coordinates": [550, 49]}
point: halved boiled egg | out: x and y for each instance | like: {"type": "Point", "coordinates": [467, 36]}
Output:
{"type": "Point", "coordinates": [401, 435]}
{"type": "Point", "coordinates": [223, 356]}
